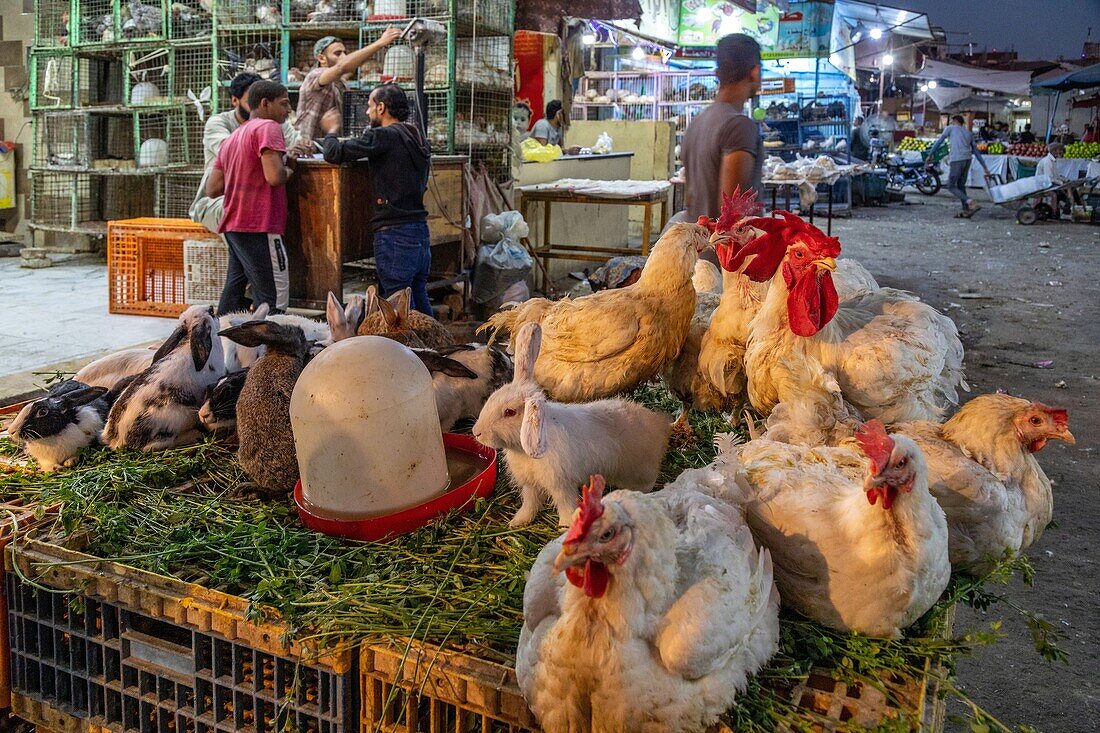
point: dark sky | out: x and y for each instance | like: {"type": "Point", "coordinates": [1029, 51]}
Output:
{"type": "Point", "coordinates": [1036, 29]}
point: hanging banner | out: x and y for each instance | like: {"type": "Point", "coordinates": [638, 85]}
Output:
{"type": "Point", "coordinates": [703, 22]}
{"type": "Point", "coordinates": [805, 32]}
{"type": "Point", "coordinates": [843, 54]}
{"type": "Point", "coordinates": [529, 50]}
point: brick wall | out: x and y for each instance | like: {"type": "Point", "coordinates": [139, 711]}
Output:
{"type": "Point", "coordinates": [16, 36]}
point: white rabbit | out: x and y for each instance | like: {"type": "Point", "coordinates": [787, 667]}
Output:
{"type": "Point", "coordinates": [552, 448]}
{"type": "Point", "coordinates": [160, 408]}
{"type": "Point", "coordinates": [239, 357]}
{"type": "Point", "coordinates": [107, 371]}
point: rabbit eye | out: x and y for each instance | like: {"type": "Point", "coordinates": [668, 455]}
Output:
{"type": "Point", "coordinates": [509, 412]}
{"type": "Point", "coordinates": [42, 412]}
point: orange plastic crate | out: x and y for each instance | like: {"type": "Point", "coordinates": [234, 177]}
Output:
{"type": "Point", "coordinates": [145, 265]}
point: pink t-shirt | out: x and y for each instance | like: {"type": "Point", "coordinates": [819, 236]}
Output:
{"type": "Point", "coordinates": [251, 205]}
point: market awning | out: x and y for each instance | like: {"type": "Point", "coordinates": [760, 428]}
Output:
{"type": "Point", "coordinates": [1085, 78]}
{"type": "Point", "coordinates": [895, 20]}
{"type": "Point", "coordinates": [1006, 82]}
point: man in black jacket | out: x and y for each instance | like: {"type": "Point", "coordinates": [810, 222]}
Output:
{"type": "Point", "coordinates": [400, 160]}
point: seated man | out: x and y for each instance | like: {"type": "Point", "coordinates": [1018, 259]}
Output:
{"type": "Point", "coordinates": [1059, 200]}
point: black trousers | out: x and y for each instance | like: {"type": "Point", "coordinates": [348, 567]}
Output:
{"type": "Point", "coordinates": [258, 260]}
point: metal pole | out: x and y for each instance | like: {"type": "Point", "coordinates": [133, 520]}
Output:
{"type": "Point", "coordinates": [1050, 116]}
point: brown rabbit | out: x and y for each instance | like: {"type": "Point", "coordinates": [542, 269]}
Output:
{"type": "Point", "coordinates": [432, 333]}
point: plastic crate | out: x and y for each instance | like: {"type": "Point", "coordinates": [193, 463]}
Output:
{"type": "Point", "coordinates": [145, 274]}
{"type": "Point", "coordinates": [205, 262]}
{"type": "Point", "coordinates": [97, 645]}
{"type": "Point", "coordinates": [419, 688]}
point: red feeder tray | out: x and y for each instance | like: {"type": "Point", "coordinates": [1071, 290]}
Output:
{"type": "Point", "coordinates": [388, 526]}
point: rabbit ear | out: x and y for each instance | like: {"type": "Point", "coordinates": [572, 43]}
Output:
{"type": "Point", "coordinates": [82, 396]}
{"type": "Point", "coordinates": [354, 312]}
{"type": "Point", "coordinates": [436, 362]}
{"type": "Point", "coordinates": [532, 432]}
{"type": "Point", "coordinates": [370, 301]}
{"type": "Point", "coordinates": [202, 343]}
{"type": "Point", "coordinates": [528, 343]}
{"type": "Point", "coordinates": [401, 300]}
{"type": "Point", "coordinates": [334, 313]}
{"type": "Point", "coordinates": [260, 313]}
{"type": "Point", "coordinates": [389, 315]}
{"type": "Point", "coordinates": [170, 343]}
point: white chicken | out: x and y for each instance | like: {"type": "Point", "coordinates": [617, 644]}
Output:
{"type": "Point", "coordinates": [667, 610]}
{"type": "Point", "coordinates": [859, 543]}
{"type": "Point", "coordinates": [894, 357]}
{"type": "Point", "coordinates": [983, 472]}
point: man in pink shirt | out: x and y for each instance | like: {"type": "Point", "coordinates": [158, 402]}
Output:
{"type": "Point", "coordinates": [251, 171]}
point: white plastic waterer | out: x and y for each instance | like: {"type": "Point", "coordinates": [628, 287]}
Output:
{"type": "Point", "coordinates": [366, 430]}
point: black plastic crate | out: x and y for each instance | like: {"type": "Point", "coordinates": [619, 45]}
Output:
{"type": "Point", "coordinates": [127, 671]}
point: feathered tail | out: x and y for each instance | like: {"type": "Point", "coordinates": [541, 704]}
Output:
{"type": "Point", "coordinates": [502, 321]}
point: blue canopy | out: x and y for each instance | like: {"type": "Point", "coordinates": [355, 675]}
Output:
{"type": "Point", "coordinates": [1085, 78]}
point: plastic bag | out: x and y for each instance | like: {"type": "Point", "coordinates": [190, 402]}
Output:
{"type": "Point", "coordinates": [603, 144]}
{"type": "Point", "coordinates": [506, 262]}
{"type": "Point", "coordinates": [533, 151]}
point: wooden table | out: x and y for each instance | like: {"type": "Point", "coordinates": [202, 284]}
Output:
{"type": "Point", "coordinates": [547, 250]}
{"type": "Point", "coordinates": [328, 224]}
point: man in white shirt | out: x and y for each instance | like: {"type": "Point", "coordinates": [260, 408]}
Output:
{"type": "Point", "coordinates": [1047, 167]}
{"type": "Point", "coordinates": [207, 210]}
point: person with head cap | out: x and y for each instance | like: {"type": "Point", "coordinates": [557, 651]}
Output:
{"type": "Point", "coordinates": [323, 88]}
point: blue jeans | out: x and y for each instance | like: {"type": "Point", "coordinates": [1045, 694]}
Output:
{"type": "Point", "coordinates": [403, 254]}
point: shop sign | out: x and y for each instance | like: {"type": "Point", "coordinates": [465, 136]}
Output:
{"type": "Point", "coordinates": [805, 32]}
{"type": "Point", "coordinates": [703, 22]}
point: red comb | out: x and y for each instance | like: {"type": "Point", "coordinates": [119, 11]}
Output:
{"type": "Point", "coordinates": [591, 506]}
{"type": "Point", "coordinates": [1058, 414]}
{"type": "Point", "coordinates": [878, 446]}
{"type": "Point", "coordinates": [772, 246]}
{"type": "Point", "coordinates": [740, 205]}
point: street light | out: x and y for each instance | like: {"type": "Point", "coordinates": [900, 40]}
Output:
{"type": "Point", "coordinates": [932, 84]}
{"type": "Point", "coordinates": [887, 59]}
{"type": "Point", "coordinates": [876, 33]}
{"type": "Point", "coordinates": [924, 87]}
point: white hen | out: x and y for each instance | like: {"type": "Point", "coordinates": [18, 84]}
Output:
{"type": "Point", "coordinates": [840, 558]}
{"type": "Point", "coordinates": [669, 607]}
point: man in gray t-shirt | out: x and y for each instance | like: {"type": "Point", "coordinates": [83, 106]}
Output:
{"type": "Point", "coordinates": [548, 131]}
{"type": "Point", "coordinates": [722, 147]}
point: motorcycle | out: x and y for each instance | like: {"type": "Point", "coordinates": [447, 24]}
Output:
{"type": "Point", "coordinates": [902, 172]}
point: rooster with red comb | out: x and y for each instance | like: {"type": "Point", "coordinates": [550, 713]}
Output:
{"type": "Point", "coordinates": [661, 598]}
{"type": "Point", "coordinates": [859, 543]}
{"type": "Point", "coordinates": [982, 469]}
{"type": "Point", "coordinates": [894, 357]}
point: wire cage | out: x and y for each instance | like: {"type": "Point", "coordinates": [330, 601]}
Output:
{"type": "Point", "coordinates": [82, 140]}
{"type": "Point", "coordinates": [401, 11]}
{"type": "Point", "coordinates": [148, 76]}
{"type": "Point", "coordinates": [176, 191]}
{"type": "Point", "coordinates": [100, 78]}
{"type": "Point", "coordinates": [268, 13]}
{"type": "Point", "coordinates": [96, 22]}
{"type": "Point", "coordinates": [397, 62]}
{"type": "Point", "coordinates": [142, 21]}
{"type": "Point", "coordinates": [87, 201]}
{"type": "Point", "coordinates": [189, 21]}
{"type": "Point", "coordinates": [52, 28]}
{"type": "Point", "coordinates": [162, 139]}
{"type": "Point", "coordinates": [329, 13]}
{"type": "Point", "coordinates": [484, 17]}
{"type": "Point", "coordinates": [193, 76]}
{"type": "Point", "coordinates": [52, 79]}
{"type": "Point", "coordinates": [258, 50]}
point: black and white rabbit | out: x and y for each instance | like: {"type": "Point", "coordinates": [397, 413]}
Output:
{"type": "Point", "coordinates": [107, 371]}
{"type": "Point", "coordinates": [160, 408]}
{"type": "Point", "coordinates": [218, 413]}
{"type": "Point", "coordinates": [55, 428]}
{"type": "Point", "coordinates": [463, 377]}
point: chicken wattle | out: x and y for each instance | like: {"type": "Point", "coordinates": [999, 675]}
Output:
{"type": "Point", "coordinates": [982, 470]}
{"type": "Point", "coordinates": [664, 599]}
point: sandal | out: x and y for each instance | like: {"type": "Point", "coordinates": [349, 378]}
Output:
{"type": "Point", "coordinates": [962, 215]}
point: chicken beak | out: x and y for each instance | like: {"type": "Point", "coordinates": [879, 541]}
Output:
{"type": "Point", "coordinates": [826, 263]}
{"type": "Point", "coordinates": [717, 237]}
{"type": "Point", "coordinates": [1067, 436]}
{"type": "Point", "coordinates": [564, 558]}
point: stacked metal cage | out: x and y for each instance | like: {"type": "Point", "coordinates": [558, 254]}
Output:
{"type": "Point", "coordinates": [120, 88]}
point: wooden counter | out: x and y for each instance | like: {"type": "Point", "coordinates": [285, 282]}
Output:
{"type": "Point", "coordinates": [328, 223]}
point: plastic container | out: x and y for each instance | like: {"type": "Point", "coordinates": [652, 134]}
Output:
{"type": "Point", "coordinates": [367, 431]}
